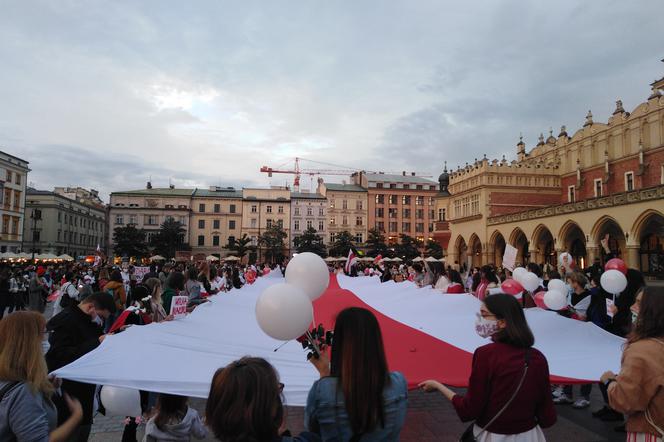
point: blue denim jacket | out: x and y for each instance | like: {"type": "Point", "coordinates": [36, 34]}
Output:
{"type": "Point", "coordinates": [326, 406]}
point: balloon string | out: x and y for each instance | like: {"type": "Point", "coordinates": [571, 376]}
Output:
{"type": "Point", "coordinates": [279, 348]}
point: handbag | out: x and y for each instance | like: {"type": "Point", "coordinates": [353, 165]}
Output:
{"type": "Point", "coordinates": [469, 435]}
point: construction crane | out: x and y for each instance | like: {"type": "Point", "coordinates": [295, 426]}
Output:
{"type": "Point", "coordinates": [338, 170]}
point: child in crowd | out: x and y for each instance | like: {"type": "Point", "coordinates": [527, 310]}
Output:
{"type": "Point", "coordinates": [174, 421]}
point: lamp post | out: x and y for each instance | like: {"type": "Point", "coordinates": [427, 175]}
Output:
{"type": "Point", "coordinates": [34, 216]}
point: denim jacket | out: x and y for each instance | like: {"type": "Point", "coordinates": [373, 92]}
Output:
{"type": "Point", "coordinates": [326, 407]}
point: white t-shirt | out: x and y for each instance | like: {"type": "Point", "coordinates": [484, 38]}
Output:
{"type": "Point", "coordinates": [67, 289]}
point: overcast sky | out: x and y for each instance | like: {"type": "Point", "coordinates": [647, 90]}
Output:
{"type": "Point", "coordinates": [106, 94]}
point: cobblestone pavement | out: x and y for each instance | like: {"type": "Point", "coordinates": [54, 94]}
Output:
{"type": "Point", "coordinates": [430, 418]}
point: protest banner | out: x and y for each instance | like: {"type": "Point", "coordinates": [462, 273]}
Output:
{"type": "Point", "coordinates": [509, 257]}
{"type": "Point", "coordinates": [179, 306]}
{"type": "Point", "coordinates": [139, 272]}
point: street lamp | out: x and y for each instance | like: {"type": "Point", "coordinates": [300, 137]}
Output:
{"type": "Point", "coordinates": [34, 216]}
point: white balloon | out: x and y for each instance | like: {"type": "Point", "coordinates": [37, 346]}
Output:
{"type": "Point", "coordinates": [309, 272]}
{"type": "Point", "coordinates": [119, 401]}
{"type": "Point", "coordinates": [284, 311]}
{"type": "Point", "coordinates": [555, 300]}
{"type": "Point", "coordinates": [529, 281]}
{"type": "Point", "coordinates": [613, 281]}
{"type": "Point", "coordinates": [557, 284]}
{"type": "Point", "coordinates": [518, 273]}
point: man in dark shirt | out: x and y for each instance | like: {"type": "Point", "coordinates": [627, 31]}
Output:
{"type": "Point", "coordinates": [73, 333]}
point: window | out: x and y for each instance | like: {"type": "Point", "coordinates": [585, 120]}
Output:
{"type": "Point", "coordinates": [405, 213]}
{"type": "Point", "coordinates": [393, 186]}
{"type": "Point", "coordinates": [119, 219]}
{"type": "Point", "coordinates": [296, 225]}
{"type": "Point", "coordinates": [380, 199]}
{"type": "Point", "coordinates": [231, 224]}
{"type": "Point", "coordinates": [168, 206]}
{"type": "Point", "coordinates": [280, 209]}
{"type": "Point", "coordinates": [321, 212]}
{"type": "Point", "coordinates": [392, 213]}
{"type": "Point", "coordinates": [216, 224]}
{"type": "Point", "coordinates": [380, 225]}
{"type": "Point", "coordinates": [344, 204]}
{"type": "Point", "coordinates": [332, 236]}
{"type": "Point", "coordinates": [310, 211]}
{"type": "Point", "coordinates": [598, 187]}
{"type": "Point", "coordinates": [18, 179]}
{"type": "Point", "coordinates": [254, 241]}
{"type": "Point", "coordinates": [344, 220]}
{"type": "Point", "coordinates": [406, 186]}
{"type": "Point", "coordinates": [432, 201]}
{"type": "Point", "coordinates": [358, 205]}
{"type": "Point", "coordinates": [183, 220]}
{"type": "Point", "coordinates": [418, 187]}
{"type": "Point", "coordinates": [629, 181]}
{"type": "Point", "coordinates": [310, 224]}
{"type": "Point", "coordinates": [296, 211]}
{"type": "Point", "coordinates": [217, 208]}
{"type": "Point", "coordinates": [215, 240]}
{"type": "Point", "coordinates": [268, 209]}
{"type": "Point", "coordinates": [321, 226]}
{"type": "Point", "coordinates": [9, 176]}
{"type": "Point", "coordinates": [280, 223]}
{"type": "Point", "coordinates": [232, 208]}
{"type": "Point", "coordinates": [419, 213]}
{"type": "Point", "coordinates": [379, 185]}
{"type": "Point", "coordinates": [254, 208]}
{"type": "Point", "coordinates": [571, 194]}
{"type": "Point", "coordinates": [430, 227]}
{"type": "Point", "coordinates": [201, 240]}
{"type": "Point", "coordinates": [419, 227]}
{"type": "Point", "coordinates": [59, 234]}
{"type": "Point", "coordinates": [359, 221]}
{"type": "Point", "coordinates": [133, 219]}
{"type": "Point", "coordinates": [405, 227]}
{"type": "Point", "coordinates": [59, 217]}
{"type": "Point", "coordinates": [393, 226]}
{"type": "Point", "coordinates": [380, 212]}
{"type": "Point", "coordinates": [268, 223]}
{"type": "Point", "coordinates": [441, 214]}
{"type": "Point", "coordinates": [432, 214]}
{"type": "Point", "coordinates": [393, 199]}
{"type": "Point", "coordinates": [332, 203]}
{"type": "Point", "coordinates": [405, 200]}
{"type": "Point", "coordinates": [231, 240]}
{"type": "Point", "coordinates": [151, 220]}
{"type": "Point", "coordinates": [419, 201]}
{"type": "Point", "coordinates": [358, 238]}
{"type": "Point", "coordinates": [201, 207]}
{"type": "Point", "coordinates": [201, 223]}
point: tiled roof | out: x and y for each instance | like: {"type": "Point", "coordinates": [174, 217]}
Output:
{"type": "Point", "coordinates": [344, 187]}
{"type": "Point", "coordinates": [221, 193]}
{"type": "Point", "coordinates": [156, 192]}
{"type": "Point", "coordinates": [407, 179]}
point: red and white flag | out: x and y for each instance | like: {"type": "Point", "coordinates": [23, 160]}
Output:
{"type": "Point", "coordinates": [352, 259]}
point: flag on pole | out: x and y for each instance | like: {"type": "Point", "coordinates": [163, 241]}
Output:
{"type": "Point", "coordinates": [352, 259]}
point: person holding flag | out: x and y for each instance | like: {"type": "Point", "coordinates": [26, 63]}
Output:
{"type": "Point", "coordinates": [350, 263]}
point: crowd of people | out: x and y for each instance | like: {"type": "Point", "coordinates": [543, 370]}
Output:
{"type": "Point", "coordinates": [357, 397]}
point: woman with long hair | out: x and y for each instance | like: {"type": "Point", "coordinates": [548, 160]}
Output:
{"type": "Point", "coordinates": [356, 395]}
{"type": "Point", "coordinates": [487, 280]}
{"type": "Point", "coordinates": [156, 306]}
{"type": "Point", "coordinates": [26, 409]}
{"type": "Point", "coordinates": [173, 286]}
{"type": "Point", "coordinates": [245, 404]}
{"type": "Point", "coordinates": [508, 390]}
{"type": "Point", "coordinates": [638, 390]}
{"type": "Point", "coordinates": [456, 283]}
{"type": "Point", "coordinates": [174, 421]}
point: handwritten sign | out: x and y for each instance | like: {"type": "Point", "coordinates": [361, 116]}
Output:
{"type": "Point", "coordinates": [139, 272]}
{"type": "Point", "coordinates": [509, 257]}
{"type": "Point", "coordinates": [179, 306]}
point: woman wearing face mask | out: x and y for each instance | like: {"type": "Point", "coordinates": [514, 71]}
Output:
{"type": "Point", "coordinates": [509, 395]}
{"type": "Point", "coordinates": [638, 390]}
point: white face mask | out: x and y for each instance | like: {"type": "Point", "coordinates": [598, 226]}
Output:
{"type": "Point", "coordinates": [485, 328]}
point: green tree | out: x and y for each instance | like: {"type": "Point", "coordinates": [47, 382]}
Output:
{"type": "Point", "coordinates": [376, 243]}
{"type": "Point", "coordinates": [241, 246]}
{"type": "Point", "coordinates": [343, 242]}
{"type": "Point", "coordinates": [434, 249]}
{"type": "Point", "coordinates": [273, 240]}
{"type": "Point", "coordinates": [408, 248]}
{"type": "Point", "coordinates": [129, 241]}
{"type": "Point", "coordinates": [170, 238]}
{"type": "Point", "coordinates": [310, 241]}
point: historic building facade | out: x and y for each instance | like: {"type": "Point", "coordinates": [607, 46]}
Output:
{"type": "Point", "coordinates": [399, 204]}
{"type": "Point", "coordinates": [68, 221]}
{"type": "Point", "coordinates": [346, 210]}
{"type": "Point", "coordinates": [13, 179]}
{"type": "Point", "coordinates": [261, 209]}
{"type": "Point", "coordinates": [565, 194]}
{"type": "Point", "coordinates": [308, 210]}
{"type": "Point", "coordinates": [216, 220]}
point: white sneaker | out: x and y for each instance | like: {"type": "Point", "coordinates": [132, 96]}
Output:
{"type": "Point", "coordinates": [581, 403]}
{"type": "Point", "coordinates": [562, 399]}
{"type": "Point", "coordinates": [557, 391]}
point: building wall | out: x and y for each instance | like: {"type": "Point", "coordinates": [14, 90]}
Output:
{"type": "Point", "coordinates": [13, 179]}
{"type": "Point", "coordinates": [220, 219]}
{"type": "Point", "coordinates": [344, 217]}
{"type": "Point", "coordinates": [300, 216]}
{"type": "Point", "coordinates": [262, 207]}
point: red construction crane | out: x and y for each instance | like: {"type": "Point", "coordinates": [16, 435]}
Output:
{"type": "Point", "coordinates": [298, 171]}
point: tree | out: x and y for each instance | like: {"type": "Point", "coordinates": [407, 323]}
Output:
{"type": "Point", "coordinates": [129, 241]}
{"type": "Point", "coordinates": [240, 247]}
{"type": "Point", "coordinates": [434, 249]}
{"type": "Point", "coordinates": [273, 240]}
{"type": "Point", "coordinates": [343, 242]}
{"type": "Point", "coordinates": [170, 239]}
{"type": "Point", "coordinates": [310, 241]}
{"type": "Point", "coordinates": [376, 243]}
{"type": "Point", "coordinates": [408, 247]}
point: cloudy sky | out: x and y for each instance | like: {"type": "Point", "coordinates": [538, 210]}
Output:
{"type": "Point", "coordinates": [106, 94]}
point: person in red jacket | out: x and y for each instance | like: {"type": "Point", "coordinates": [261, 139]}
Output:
{"type": "Point", "coordinates": [507, 371]}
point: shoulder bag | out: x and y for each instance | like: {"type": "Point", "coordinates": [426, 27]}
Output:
{"type": "Point", "coordinates": [469, 435]}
